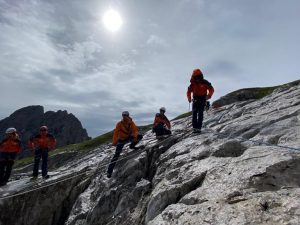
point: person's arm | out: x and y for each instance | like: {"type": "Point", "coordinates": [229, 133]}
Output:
{"type": "Point", "coordinates": [168, 124]}
{"type": "Point", "coordinates": [19, 148]}
{"type": "Point", "coordinates": [211, 90]}
{"type": "Point", "coordinates": [51, 143]}
{"type": "Point", "coordinates": [1, 145]}
{"type": "Point", "coordinates": [30, 143]}
{"type": "Point", "coordinates": [116, 134]}
{"type": "Point", "coordinates": [189, 93]}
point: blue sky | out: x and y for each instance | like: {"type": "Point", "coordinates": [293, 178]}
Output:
{"type": "Point", "coordinates": [59, 54]}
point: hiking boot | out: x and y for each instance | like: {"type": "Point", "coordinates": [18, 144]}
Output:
{"type": "Point", "coordinates": [197, 131]}
{"type": "Point", "coordinates": [46, 176]}
{"type": "Point", "coordinates": [108, 175]}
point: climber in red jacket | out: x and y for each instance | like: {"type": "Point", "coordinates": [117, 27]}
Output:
{"type": "Point", "coordinates": [41, 144]}
{"type": "Point", "coordinates": [10, 146]}
{"type": "Point", "coordinates": [202, 90]}
{"type": "Point", "coordinates": [161, 125]}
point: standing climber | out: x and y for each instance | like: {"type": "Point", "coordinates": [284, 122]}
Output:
{"type": "Point", "coordinates": [125, 131]}
{"type": "Point", "coordinates": [41, 143]}
{"type": "Point", "coordinates": [202, 91]}
{"type": "Point", "coordinates": [9, 148]}
{"type": "Point", "coordinates": [161, 125]}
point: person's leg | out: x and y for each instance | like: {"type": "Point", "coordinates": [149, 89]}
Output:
{"type": "Point", "coordinates": [2, 166]}
{"type": "Point", "coordinates": [8, 169]}
{"type": "Point", "coordinates": [201, 108]}
{"type": "Point", "coordinates": [167, 132]}
{"type": "Point", "coordinates": [159, 130]}
{"type": "Point", "coordinates": [195, 114]}
{"type": "Point", "coordinates": [37, 158]}
{"type": "Point", "coordinates": [44, 163]}
{"type": "Point", "coordinates": [114, 159]}
{"type": "Point", "coordinates": [134, 143]}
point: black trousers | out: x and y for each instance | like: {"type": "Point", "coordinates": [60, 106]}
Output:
{"type": "Point", "coordinates": [161, 130]}
{"type": "Point", "coordinates": [5, 170]}
{"type": "Point", "coordinates": [119, 149]}
{"type": "Point", "coordinates": [38, 155]}
{"type": "Point", "coordinates": [198, 109]}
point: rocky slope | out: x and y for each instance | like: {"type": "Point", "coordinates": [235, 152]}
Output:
{"type": "Point", "coordinates": [249, 94]}
{"type": "Point", "coordinates": [66, 127]}
{"type": "Point", "coordinates": [243, 169]}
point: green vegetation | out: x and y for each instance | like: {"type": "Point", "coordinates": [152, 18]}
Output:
{"type": "Point", "coordinates": [262, 92]}
{"type": "Point", "coordinates": [184, 115]}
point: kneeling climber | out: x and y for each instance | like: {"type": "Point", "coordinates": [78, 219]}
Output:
{"type": "Point", "coordinates": [161, 125]}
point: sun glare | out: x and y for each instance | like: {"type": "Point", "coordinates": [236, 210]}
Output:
{"type": "Point", "coordinates": [112, 20]}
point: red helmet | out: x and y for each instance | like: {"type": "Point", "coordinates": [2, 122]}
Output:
{"type": "Point", "coordinates": [197, 72]}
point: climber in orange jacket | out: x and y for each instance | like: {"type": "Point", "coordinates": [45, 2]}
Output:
{"type": "Point", "coordinates": [41, 143]}
{"type": "Point", "coordinates": [161, 125]}
{"type": "Point", "coordinates": [9, 148]}
{"type": "Point", "coordinates": [202, 90]}
{"type": "Point", "coordinates": [125, 131]}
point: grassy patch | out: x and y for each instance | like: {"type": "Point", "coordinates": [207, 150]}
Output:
{"type": "Point", "coordinates": [184, 115]}
{"type": "Point", "coordinates": [262, 92]}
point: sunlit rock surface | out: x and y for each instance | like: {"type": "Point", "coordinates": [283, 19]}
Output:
{"type": "Point", "coordinates": [244, 168]}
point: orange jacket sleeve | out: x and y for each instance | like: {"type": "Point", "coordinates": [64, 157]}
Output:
{"type": "Point", "coordinates": [30, 144]}
{"type": "Point", "coordinates": [52, 143]}
{"type": "Point", "coordinates": [116, 134]}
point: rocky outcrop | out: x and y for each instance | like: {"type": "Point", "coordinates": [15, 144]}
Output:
{"type": "Point", "coordinates": [242, 169]}
{"type": "Point", "coordinates": [250, 94]}
{"type": "Point", "coordinates": [64, 126]}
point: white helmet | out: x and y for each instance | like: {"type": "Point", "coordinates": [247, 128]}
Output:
{"type": "Point", "coordinates": [162, 109]}
{"type": "Point", "coordinates": [43, 128]}
{"type": "Point", "coordinates": [11, 130]}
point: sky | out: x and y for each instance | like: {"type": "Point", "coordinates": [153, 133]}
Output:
{"type": "Point", "coordinates": [60, 55]}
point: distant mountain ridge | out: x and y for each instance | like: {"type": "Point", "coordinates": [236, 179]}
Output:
{"type": "Point", "coordinates": [66, 128]}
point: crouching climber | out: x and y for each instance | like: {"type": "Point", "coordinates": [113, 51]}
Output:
{"type": "Point", "coordinates": [125, 131]}
{"type": "Point", "coordinates": [161, 125]}
{"type": "Point", "coordinates": [9, 148]}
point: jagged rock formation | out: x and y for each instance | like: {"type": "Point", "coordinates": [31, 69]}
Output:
{"type": "Point", "coordinates": [243, 169]}
{"type": "Point", "coordinates": [66, 127]}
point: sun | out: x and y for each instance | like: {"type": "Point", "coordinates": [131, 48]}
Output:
{"type": "Point", "coordinates": [112, 20]}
